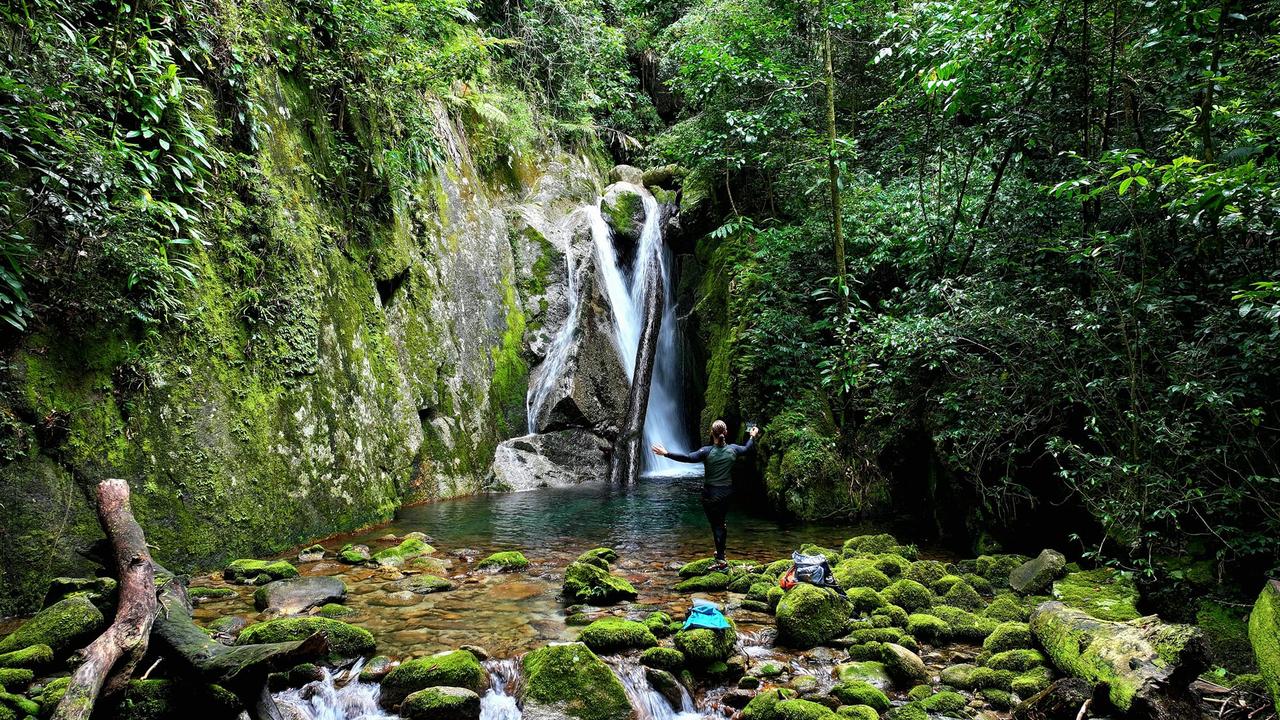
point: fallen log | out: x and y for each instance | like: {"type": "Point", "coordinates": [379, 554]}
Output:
{"type": "Point", "coordinates": [108, 662]}
{"type": "Point", "coordinates": [628, 449]}
{"type": "Point", "coordinates": [1145, 665]}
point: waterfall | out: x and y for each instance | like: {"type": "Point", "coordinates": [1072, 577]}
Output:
{"type": "Point", "coordinates": [558, 354]}
{"type": "Point", "coordinates": [626, 297]}
{"type": "Point", "coordinates": [340, 697]}
{"type": "Point", "coordinates": [648, 703]}
{"type": "Point", "coordinates": [500, 702]}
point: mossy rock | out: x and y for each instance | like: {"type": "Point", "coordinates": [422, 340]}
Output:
{"type": "Point", "coordinates": [407, 550]}
{"type": "Point", "coordinates": [873, 634]}
{"type": "Point", "coordinates": [1037, 575]}
{"type": "Point", "coordinates": [964, 625]}
{"type": "Point", "coordinates": [63, 626]}
{"type": "Point", "coordinates": [248, 571]}
{"type": "Point", "coordinates": [895, 614]}
{"type": "Point", "coordinates": [16, 677]}
{"type": "Point", "coordinates": [864, 600]}
{"type": "Point", "coordinates": [18, 705]}
{"type": "Point", "coordinates": [764, 706]}
{"type": "Point", "coordinates": [345, 640]}
{"type": "Point", "coordinates": [198, 594]}
{"type": "Point", "coordinates": [944, 583]}
{"type": "Point", "coordinates": [1226, 629]}
{"type": "Point", "coordinates": [1031, 682]}
{"type": "Point", "coordinates": [577, 620]}
{"type": "Point", "coordinates": [507, 561]}
{"type": "Point", "coordinates": [963, 596]}
{"type": "Point", "coordinates": [1020, 660]}
{"type": "Point", "coordinates": [101, 591]}
{"type": "Point", "coordinates": [778, 568]}
{"type": "Point", "coordinates": [51, 695]}
{"type": "Point", "coordinates": [570, 680]}
{"type": "Point", "coordinates": [1008, 636]}
{"type": "Point", "coordinates": [611, 635]}
{"type": "Point", "coordinates": [1007, 608]}
{"type": "Point", "coordinates": [809, 616]}
{"type": "Point", "coordinates": [858, 712]}
{"type": "Point", "coordinates": [979, 583]}
{"type": "Point", "coordinates": [663, 658]}
{"type": "Point", "coordinates": [659, 623]}
{"type": "Point", "coordinates": [710, 582]}
{"type": "Point", "coordinates": [892, 565]}
{"type": "Point", "coordinates": [587, 583]}
{"type": "Point", "coordinates": [455, 668]}
{"type": "Point", "coordinates": [996, 568]}
{"type": "Point", "coordinates": [945, 703]}
{"type": "Point", "coordinates": [928, 628]}
{"type": "Point", "coordinates": [1103, 593]}
{"type": "Point", "coordinates": [774, 596]}
{"type": "Point", "coordinates": [703, 646]}
{"type": "Point", "coordinates": [910, 711]}
{"type": "Point", "coordinates": [601, 557]}
{"type": "Point", "coordinates": [441, 703]}
{"type": "Point", "coordinates": [354, 554]}
{"type": "Point", "coordinates": [871, 544]}
{"type": "Point", "coordinates": [871, 672]}
{"type": "Point", "coordinates": [32, 657]}
{"type": "Point", "coordinates": [800, 709]}
{"type": "Point", "coordinates": [743, 582]}
{"type": "Point", "coordinates": [160, 699]}
{"type": "Point", "coordinates": [926, 572]}
{"type": "Point", "coordinates": [335, 610]}
{"type": "Point", "coordinates": [910, 595]}
{"type": "Point", "coordinates": [998, 699]}
{"type": "Point", "coordinates": [903, 664]}
{"type": "Point", "coordinates": [859, 573]}
{"type": "Point", "coordinates": [1264, 635]}
{"type": "Point", "coordinates": [860, 693]}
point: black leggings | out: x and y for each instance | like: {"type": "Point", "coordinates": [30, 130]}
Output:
{"type": "Point", "coordinates": [715, 503]}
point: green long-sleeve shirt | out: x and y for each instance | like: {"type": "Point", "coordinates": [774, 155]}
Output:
{"type": "Point", "coordinates": [717, 459]}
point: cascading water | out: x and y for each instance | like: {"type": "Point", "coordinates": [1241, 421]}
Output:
{"type": "Point", "coordinates": [500, 702]}
{"type": "Point", "coordinates": [558, 354]}
{"type": "Point", "coordinates": [650, 704]}
{"type": "Point", "coordinates": [334, 697]}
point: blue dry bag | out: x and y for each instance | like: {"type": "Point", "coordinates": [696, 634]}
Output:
{"type": "Point", "coordinates": [706, 614]}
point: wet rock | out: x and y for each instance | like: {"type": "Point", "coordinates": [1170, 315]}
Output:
{"type": "Point", "coordinates": [1036, 576]}
{"type": "Point", "coordinates": [63, 626]}
{"type": "Point", "coordinates": [737, 699]}
{"type": "Point", "coordinates": [345, 641]}
{"type": "Point", "coordinates": [770, 670]}
{"type": "Point", "coordinates": [1008, 636]}
{"type": "Point", "coordinates": [702, 646]}
{"type": "Point", "coordinates": [710, 582]}
{"type": "Point", "coordinates": [1060, 701]}
{"type": "Point", "coordinates": [421, 584]}
{"type": "Point", "coordinates": [480, 653]}
{"type": "Point", "coordinates": [809, 616]}
{"type": "Point", "coordinates": [627, 174]}
{"type": "Point", "coordinates": [589, 584]}
{"type": "Point", "coordinates": [314, 553]}
{"type": "Point", "coordinates": [1146, 664]}
{"type": "Point", "coordinates": [611, 635]}
{"type": "Point", "coordinates": [666, 685]}
{"type": "Point", "coordinates": [868, 671]}
{"type": "Point", "coordinates": [200, 594]}
{"type": "Point", "coordinates": [623, 208]}
{"type": "Point", "coordinates": [376, 669]}
{"type": "Point", "coordinates": [354, 554]}
{"type": "Point", "coordinates": [456, 668]}
{"type": "Point", "coordinates": [32, 657]}
{"type": "Point", "coordinates": [507, 561]}
{"type": "Point", "coordinates": [569, 680]}
{"type": "Point", "coordinates": [441, 703]}
{"type": "Point", "coordinates": [559, 458]}
{"type": "Point", "coordinates": [397, 556]}
{"type": "Point", "coordinates": [1264, 636]}
{"type": "Point", "coordinates": [854, 692]}
{"type": "Point", "coordinates": [662, 658]}
{"type": "Point", "coordinates": [297, 595]}
{"type": "Point", "coordinates": [904, 666]}
{"type": "Point", "coordinates": [249, 571]}
{"type": "Point", "coordinates": [228, 627]}
{"type": "Point", "coordinates": [99, 590]}
{"type": "Point", "coordinates": [335, 610]}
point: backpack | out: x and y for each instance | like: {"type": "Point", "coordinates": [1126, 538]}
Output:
{"type": "Point", "coordinates": [811, 569]}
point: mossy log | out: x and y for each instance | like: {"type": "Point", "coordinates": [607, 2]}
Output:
{"type": "Point", "coordinates": [1145, 664]}
{"type": "Point", "coordinates": [628, 450]}
{"type": "Point", "coordinates": [108, 662]}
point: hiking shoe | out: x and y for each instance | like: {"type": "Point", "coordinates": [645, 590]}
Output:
{"type": "Point", "coordinates": [719, 566]}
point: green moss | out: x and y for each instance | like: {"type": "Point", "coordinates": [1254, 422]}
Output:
{"type": "Point", "coordinates": [803, 710]}
{"type": "Point", "coordinates": [1226, 628]}
{"type": "Point", "coordinates": [345, 641]}
{"type": "Point", "coordinates": [508, 561]}
{"type": "Point", "coordinates": [910, 595]}
{"type": "Point", "coordinates": [573, 680]}
{"type": "Point", "coordinates": [1008, 636]}
{"type": "Point", "coordinates": [599, 555]}
{"type": "Point", "coordinates": [15, 677]}
{"type": "Point", "coordinates": [996, 568]}
{"type": "Point", "coordinates": [590, 584]}
{"type": "Point", "coordinates": [964, 625]}
{"type": "Point", "coordinates": [926, 572]}
{"type": "Point", "coordinates": [963, 596]}
{"type": "Point", "coordinates": [861, 693]}
{"type": "Point", "coordinates": [928, 628]}
{"type": "Point", "coordinates": [876, 635]}
{"type": "Point", "coordinates": [896, 616]}
{"type": "Point", "coordinates": [710, 582]}
{"type": "Point", "coordinates": [662, 658]}
{"type": "Point", "coordinates": [441, 703]}
{"type": "Point", "coordinates": [1020, 660]}
{"type": "Point", "coordinates": [764, 706]}
{"type": "Point", "coordinates": [510, 381]}
{"type": "Point", "coordinates": [860, 573]}
{"type": "Point", "coordinates": [610, 635]}
{"type": "Point", "coordinates": [63, 627]}
{"type": "Point", "coordinates": [703, 646]}
{"type": "Point", "coordinates": [871, 544]}
{"type": "Point", "coordinates": [1103, 593]}
{"type": "Point", "coordinates": [659, 623]}
{"type": "Point", "coordinates": [1264, 635]}
{"type": "Point", "coordinates": [910, 711]}
{"type": "Point", "coordinates": [407, 550]}
{"type": "Point", "coordinates": [210, 593]}
{"type": "Point", "coordinates": [944, 583]}
{"type": "Point", "coordinates": [335, 611]}
{"type": "Point", "coordinates": [892, 565]}
{"type": "Point", "coordinates": [1033, 681]}
{"type": "Point", "coordinates": [998, 699]}
{"type": "Point", "coordinates": [809, 616]}
{"type": "Point", "coordinates": [32, 657]}
{"type": "Point", "coordinates": [246, 570]}
{"type": "Point", "coordinates": [1007, 608]}
{"type": "Point", "coordinates": [703, 566]}
{"type": "Point", "coordinates": [864, 600]}
{"type": "Point", "coordinates": [18, 703]}
{"type": "Point", "coordinates": [457, 668]}
{"type": "Point", "coordinates": [858, 712]}
{"type": "Point", "coordinates": [945, 703]}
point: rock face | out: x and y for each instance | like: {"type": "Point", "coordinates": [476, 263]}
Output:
{"type": "Point", "coordinates": [1036, 576]}
{"type": "Point", "coordinates": [623, 208]}
{"type": "Point", "coordinates": [1145, 663]}
{"type": "Point", "coordinates": [570, 681]}
{"type": "Point", "coordinates": [554, 459]}
{"type": "Point", "coordinates": [1264, 635]}
{"type": "Point", "coordinates": [297, 595]}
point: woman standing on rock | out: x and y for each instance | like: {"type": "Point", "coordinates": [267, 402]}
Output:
{"type": "Point", "coordinates": [717, 459]}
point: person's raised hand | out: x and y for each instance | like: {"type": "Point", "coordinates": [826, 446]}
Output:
{"type": "Point", "coordinates": [754, 431]}
{"type": "Point", "coordinates": [658, 449]}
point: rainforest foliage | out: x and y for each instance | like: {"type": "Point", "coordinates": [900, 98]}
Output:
{"type": "Point", "coordinates": [1058, 218]}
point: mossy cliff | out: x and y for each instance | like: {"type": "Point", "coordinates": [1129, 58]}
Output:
{"type": "Point", "coordinates": [351, 345]}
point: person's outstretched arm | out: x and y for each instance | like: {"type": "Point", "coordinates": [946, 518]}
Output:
{"type": "Point", "coordinates": [694, 457]}
{"type": "Point", "coordinates": [751, 443]}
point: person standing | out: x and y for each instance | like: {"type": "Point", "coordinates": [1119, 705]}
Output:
{"type": "Point", "coordinates": [717, 486]}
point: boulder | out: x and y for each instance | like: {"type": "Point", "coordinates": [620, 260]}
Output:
{"type": "Point", "coordinates": [376, 669]}
{"type": "Point", "coordinates": [809, 616]}
{"type": "Point", "coordinates": [611, 635]}
{"type": "Point", "coordinates": [704, 647]}
{"type": "Point", "coordinates": [63, 626]}
{"type": "Point", "coordinates": [248, 571]}
{"type": "Point", "coordinates": [904, 666]}
{"type": "Point", "coordinates": [408, 549]}
{"type": "Point", "coordinates": [622, 206]}
{"type": "Point", "coordinates": [1264, 636]}
{"type": "Point", "coordinates": [441, 703]}
{"type": "Point", "coordinates": [764, 706]}
{"type": "Point", "coordinates": [99, 590]}
{"type": "Point", "coordinates": [666, 684]}
{"type": "Point", "coordinates": [420, 584]}
{"type": "Point", "coordinates": [856, 692]}
{"type": "Point", "coordinates": [345, 640]}
{"type": "Point", "coordinates": [868, 671]}
{"type": "Point", "coordinates": [1036, 576]}
{"type": "Point", "coordinates": [1146, 664]}
{"type": "Point", "coordinates": [552, 459]}
{"type": "Point", "coordinates": [570, 681]}
{"type": "Point", "coordinates": [662, 658]}
{"type": "Point", "coordinates": [627, 174]}
{"type": "Point", "coordinates": [667, 177]}
{"type": "Point", "coordinates": [298, 595]}
{"type": "Point", "coordinates": [506, 561]}
{"type": "Point", "coordinates": [587, 583]}
{"type": "Point", "coordinates": [1060, 701]}
{"type": "Point", "coordinates": [455, 668]}
{"type": "Point", "coordinates": [313, 553]}
{"type": "Point", "coordinates": [32, 657]}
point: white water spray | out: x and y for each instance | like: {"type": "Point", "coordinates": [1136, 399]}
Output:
{"type": "Point", "coordinates": [500, 702]}
{"type": "Point", "coordinates": [335, 697]}
{"type": "Point", "coordinates": [557, 357]}
{"type": "Point", "coordinates": [648, 703]}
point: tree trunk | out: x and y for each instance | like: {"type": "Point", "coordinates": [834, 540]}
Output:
{"type": "Point", "coordinates": [115, 652]}
{"type": "Point", "coordinates": [628, 450]}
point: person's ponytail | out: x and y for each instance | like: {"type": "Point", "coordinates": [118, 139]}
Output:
{"type": "Point", "coordinates": [719, 431]}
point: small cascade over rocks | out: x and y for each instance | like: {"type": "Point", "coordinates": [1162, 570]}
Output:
{"type": "Point", "coordinates": [340, 696]}
{"type": "Point", "coordinates": [648, 703]}
{"type": "Point", "coordinates": [500, 702]}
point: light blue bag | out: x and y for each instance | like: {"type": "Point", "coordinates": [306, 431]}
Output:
{"type": "Point", "coordinates": [706, 614]}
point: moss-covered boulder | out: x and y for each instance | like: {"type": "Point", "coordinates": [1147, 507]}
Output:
{"type": "Point", "coordinates": [297, 595]}
{"type": "Point", "coordinates": [870, 544]}
{"type": "Point", "coordinates": [703, 647]}
{"type": "Point", "coordinates": [1264, 635]}
{"type": "Point", "coordinates": [1008, 636]}
{"type": "Point", "coordinates": [1020, 660]}
{"type": "Point", "coordinates": [903, 665]}
{"type": "Point", "coordinates": [864, 600]}
{"type": "Point", "coordinates": [1036, 576]}
{"type": "Point", "coordinates": [945, 703]}
{"type": "Point", "coordinates": [858, 712]}
{"type": "Point", "coordinates": [507, 561]}
{"type": "Point", "coordinates": [1104, 593]}
{"type": "Point", "coordinates": [910, 595]}
{"type": "Point", "coordinates": [587, 583]}
{"type": "Point", "coordinates": [63, 626]}
{"type": "Point", "coordinates": [1143, 660]}
{"type": "Point", "coordinates": [1031, 681]}
{"type": "Point", "coordinates": [964, 625]}
{"type": "Point", "coordinates": [201, 593]}
{"type": "Point", "coordinates": [860, 693]}
{"type": "Point", "coordinates": [15, 677]}
{"type": "Point", "coordinates": [407, 550]}
{"type": "Point", "coordinates": [32, 657]}
{"type": "Point", "coordinates": [928, 628]}
{"type": "Point", "coordinates": [601, 557]}
{"type": "Point", "coordinates": [441, 703]}
{"type": "Point", "coordinates": [662, 658]}
{"type": "Point", "coordinates": [354, 554]}
{"type": "Point", "coordinates": [927, 572]}
{"type": "Point", "coordinates": [1007, 608]}
{"type": "Point", "coordinates": [809, 616]}
{"type": "Point", "coordinates": [963, 596]}
{"type": "Point", "coordinates": [247, 571]}
{"type": "Point", "coordinates": [871, 672]}
{"type": "Point", "coordinates": [101, 591]}
{"type": "Point", "coordinates": [801, 709]}
{"type": "Point", "coordinates": [456, 668]}
{"type": "Point", "coordinates": [711, 582]}
{"type": "Point", "coordinates": [996, 568]}
{"type": "Point", "coordinates": [859, 573]}
{"type": "Point", "coordinates": [569, 680]}
{"type": "Point", "coordinates": [611, 635]}
{"type": "Point", "coordinates": [764, 706]}
{"type": "Point", "coordinates": [345, 640]}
